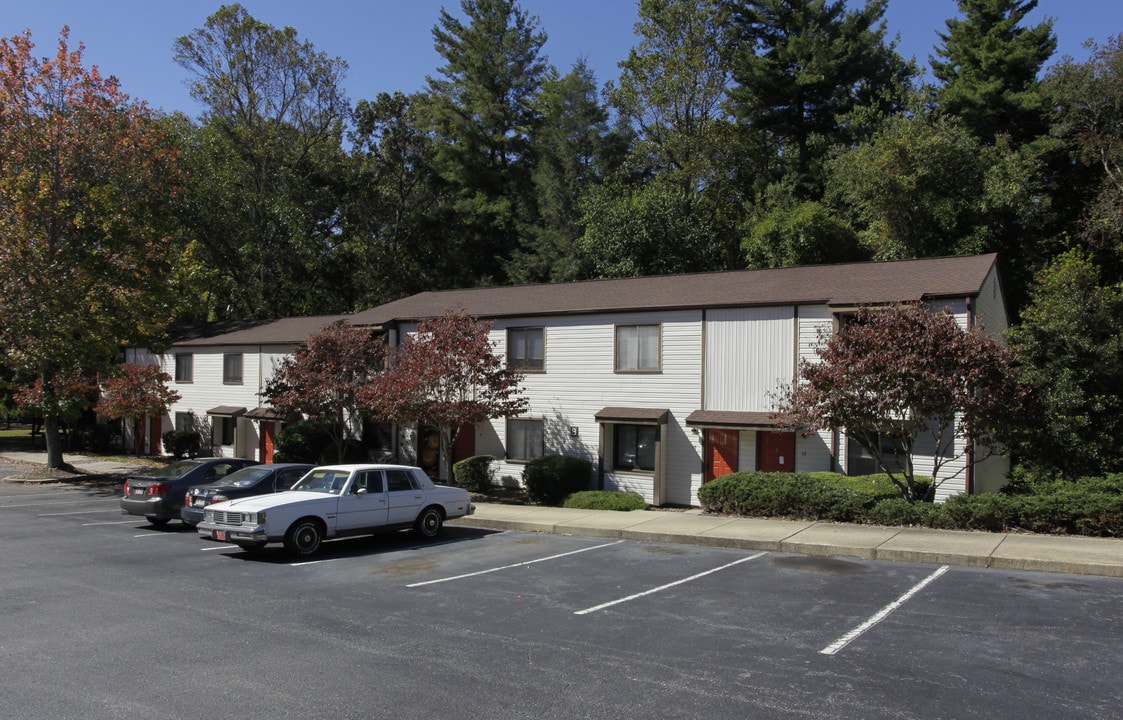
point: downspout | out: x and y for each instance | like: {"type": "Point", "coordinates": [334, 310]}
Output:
{"type": "Point", "coordinates": [969, 472]}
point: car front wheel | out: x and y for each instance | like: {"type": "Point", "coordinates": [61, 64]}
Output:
{"type": "Point", "coordinates": [304, 537]}
{"type": "Point", "coordinates": [429, 523]}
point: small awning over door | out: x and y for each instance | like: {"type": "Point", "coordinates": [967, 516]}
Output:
{"type": "Point", "coordinates": [732, 419]}
{"type": "Point", "coordinates": [633, 416]}
{"type": "Point", "coordinates": [263, 413]}
{"type": "Point", "coordinates": [229, 411]}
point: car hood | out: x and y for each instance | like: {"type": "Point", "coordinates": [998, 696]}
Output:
{"type": "Point", "coordinates": [257, 503]}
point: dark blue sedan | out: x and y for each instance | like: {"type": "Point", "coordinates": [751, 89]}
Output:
{"type": "Point", "coordinates": [256, 480]}
{"type": "Point", "coordinates": [157, 494]}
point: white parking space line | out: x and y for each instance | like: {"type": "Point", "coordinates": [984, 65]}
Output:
{"type": "Point", "coordinates": [508, 567]}
{"type": "Point", "coordinates": [76, 512]}
{"type": "Point", "coordinates": [881, 614]}
{"type": "Point", "coordinates": [115, 522]}
{"type": "Point", "coordinates": [69, 503]}
{"type": "Point", "coordinates": [654, 590]}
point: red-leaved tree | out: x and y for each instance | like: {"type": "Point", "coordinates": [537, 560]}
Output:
{"type": "Point", "coordinates": [446, 374]}
{"type": "Point", "coordinates": [323, 377]}
{"type": "Point", "coordinates": [897, 376]}
{"type": "Point", "coordinates": [86, 182]}
{"type": "Point", "coordinates": [133, 391]}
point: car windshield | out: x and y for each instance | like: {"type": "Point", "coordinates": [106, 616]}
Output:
{"type": "Point", "coordinates": [176, 469]}
{"type": "Point", "coordinates": [243, 478]}
{"type": "Point", "coordinates": [324, 481]}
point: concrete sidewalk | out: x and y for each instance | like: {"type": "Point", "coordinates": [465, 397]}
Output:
{"type": "Point", "coordinates": [1011, 551]}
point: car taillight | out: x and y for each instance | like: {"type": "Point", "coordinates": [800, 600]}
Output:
{"type": "Point", "coordinates": [159, 488]}
{"type": "Point", "coordinates": [187, 498]}
{"type": "Point", "coordinates": [126, 487]}
{"type": "Point", "coordinates": [219, 498]}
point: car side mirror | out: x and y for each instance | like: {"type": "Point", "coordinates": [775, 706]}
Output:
{"type": "Point", "coordinates": [361, 491]}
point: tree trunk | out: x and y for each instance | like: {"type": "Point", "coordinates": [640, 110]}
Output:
{"type": "Point", "coordinates": [53, 442]}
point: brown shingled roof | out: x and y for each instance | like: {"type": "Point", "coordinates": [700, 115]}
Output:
{"type": "Point", "coordinates": [253, 332]}
{"type": "Point", "coordinates": [848, 284]}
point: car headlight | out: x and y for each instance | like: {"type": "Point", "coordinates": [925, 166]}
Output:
{"type": "Point", "coordinates": [208, 516]}
{"type": "Point", "coordinates": [257, 518]}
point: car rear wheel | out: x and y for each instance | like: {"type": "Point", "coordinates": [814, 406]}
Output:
{"type": "Point", "coordinates": [429, 523]}
{"type": "Point", "coordinates": [158, 521]}
{"type": "Point", "coordinates": [304, 537]}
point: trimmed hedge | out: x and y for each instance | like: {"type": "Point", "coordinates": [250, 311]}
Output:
{"type": "Point", "coordinates": [551, 479]}
{"type": "Point", "coordinates": [182, 443]}
{"type": "Point", "coordinates": [1085, 506]}
{"type": "Point", "coordinates": [605, 500]}
{"type": "Point", "coordinates": [473, 473]}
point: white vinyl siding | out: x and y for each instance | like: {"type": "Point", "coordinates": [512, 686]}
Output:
{"type": "Point", "coordinates": [750, 356]}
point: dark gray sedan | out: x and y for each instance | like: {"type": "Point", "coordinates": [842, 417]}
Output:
{"type": "Point", "coordinates": [255, 480]}
{"type": "Point", "coordinates": [158, 494]}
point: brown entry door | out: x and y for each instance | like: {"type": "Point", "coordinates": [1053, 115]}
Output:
{"type": "Point", "coordinates": [720, 450]}
{"type": "Point", "coordinates": [154, 436]}
{"type": "Point", "coordinates": [775, 451]}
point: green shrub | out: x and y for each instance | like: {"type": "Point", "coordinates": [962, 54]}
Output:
{"type": "Point", "coordinates": [182, 443]}
{"type": "Point", "coordinates": [804, 496]}
{"type": "Point", "coordinates": [552, 478]}
{"type": "Point", "coordinates": [304, 442]}
{"type": "Point", "coordinates": [605, 500]}
{"type": "Point", "coordinates": [473, 473]}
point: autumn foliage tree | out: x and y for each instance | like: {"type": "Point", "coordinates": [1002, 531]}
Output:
{"type": "Point", "coordinates": [902, 380]}
{"type": "Point", "coordinates": [446, 374]}
{"type": "Point", "coordinates": [133, 391]}
{"type": "Point", "coordinates": [86, 176]}
{"type": "Point", "coordinates": [323, 378]}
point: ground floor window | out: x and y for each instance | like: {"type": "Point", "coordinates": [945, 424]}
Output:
{"type": "Point", "coordinates": [633, 447]}
{"type": "Point", "coordinates": [224, 429]}
{"type": "Point", "coordinates": [524, 439]}
{"type": "Point", "coordinates": [860, 461]}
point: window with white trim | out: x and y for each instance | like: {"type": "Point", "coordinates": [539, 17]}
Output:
{"type": "Point", "coordinates": [638, 348]}
{"type": "Point", "coordinates": [524, 439]}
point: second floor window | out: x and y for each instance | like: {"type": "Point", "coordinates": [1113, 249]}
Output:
{"type": "Point", "coordinates": [526, 348]}
{"type": "Point", "coordinates": [184, 367]}
{"type": "Point", "coordinates": [637, 348]}
{"type": "Point", "coordinates": [232, 368]}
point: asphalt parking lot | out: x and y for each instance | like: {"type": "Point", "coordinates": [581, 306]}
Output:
{"type": "Point", "coordinates": [107, 617]}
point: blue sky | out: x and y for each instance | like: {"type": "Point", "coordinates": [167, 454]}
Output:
{"type": "Point", "coordinates": [388, 43]}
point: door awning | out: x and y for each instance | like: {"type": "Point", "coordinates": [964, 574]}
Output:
{"type": "Point", "coordinates": [263, 413]}
{"type": "Point", "coordinates": [636, 416]}
{"type": "Point", "coordinates": [230, 411]}
{"type": "Point", "coordinates": [732, 419]}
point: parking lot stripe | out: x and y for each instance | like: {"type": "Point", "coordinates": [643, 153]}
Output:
{"type": "Point", "coordinates": [602, 606]}
{"type": "Point", "coordinates": [77, 512]}
{"type": "Point", "coordinates": [508, 567]}
{"type": "Point", "coordinates": [881, 614]}
{"type": "Point", "coordinates": [115, 522]}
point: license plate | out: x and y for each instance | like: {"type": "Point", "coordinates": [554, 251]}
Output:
{"type": "Point", "coordinates": [220, 535]}
{"type": "Point", "coordinates": [199, 502]}
{"type": "Point", "coordinates": [138, 491]}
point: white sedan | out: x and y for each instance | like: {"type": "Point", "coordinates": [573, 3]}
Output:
{"type": "Point", "coordinates": [336, 501]}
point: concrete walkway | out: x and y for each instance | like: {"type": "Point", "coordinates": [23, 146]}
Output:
{"type": "Point", "coordinates": [1011, 551]}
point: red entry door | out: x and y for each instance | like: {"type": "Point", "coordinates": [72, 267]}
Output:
{"type": "Point", "coordinates": [775, 451]}
{"type": "Point", "coordinates": [720, 450]}
{"type": "Point", "coordinates": [268, 430]}
{"type": "Point", "coordinates": [465, 445]}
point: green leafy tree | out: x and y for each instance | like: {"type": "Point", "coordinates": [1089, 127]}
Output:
{"type": "Point", "coordinates": [393, 240]}
{"type": "Point", "coordinates": [484, 117]}
{"type": "Point", "coordinates": [988, 65]}
{"type": "Point", "coordinates": [1070, 341]}
{"type": "Point", "coordinates": [446, 374]}
{"type": "Point", "coordinates": [134, 391]}
{"type": "Point", "coordinates": [1087, 99]}
{"type": "Point", "coordinates": [266, 164]}
{"type": "Point", "coordinates": [800, 67]}
{"type": "Point", "coordinates": [904, 374]}
{"type": "Point", "coordinates": [323, 378]}
{"type": "Point", "coordinates": [807, 233]}
{"type": "Point", "coordinates": [86, 179]}
{"type": "Point", "coordinates": [573, 151]}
